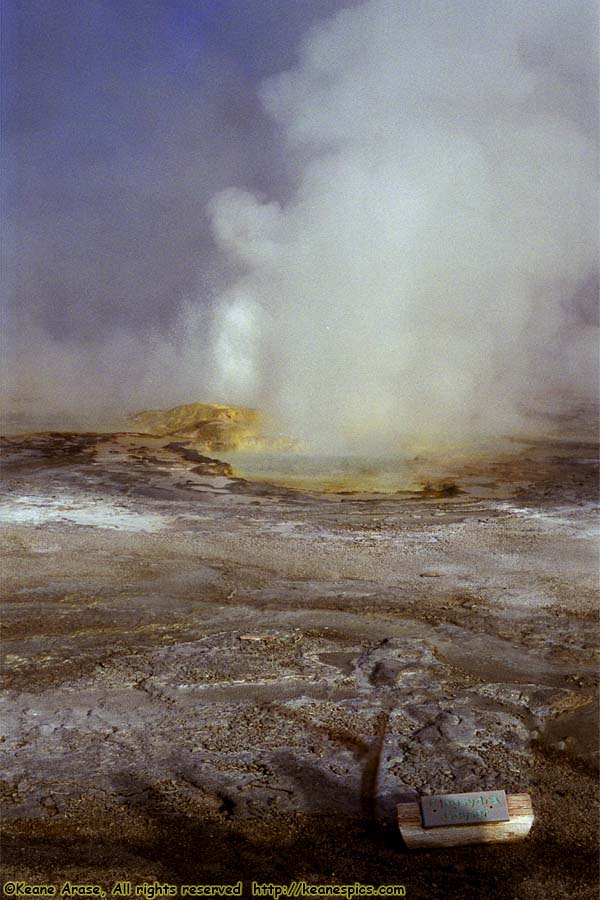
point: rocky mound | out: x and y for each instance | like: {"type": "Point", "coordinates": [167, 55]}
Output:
{"type": "Point", "coordinates": [213, 425]}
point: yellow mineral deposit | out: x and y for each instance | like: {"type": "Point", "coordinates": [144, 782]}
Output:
{"type": "Point", "coordinates": [214, 426]}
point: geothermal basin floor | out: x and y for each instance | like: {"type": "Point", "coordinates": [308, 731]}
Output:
{"type": "Point", "coordinates": [209, 679]}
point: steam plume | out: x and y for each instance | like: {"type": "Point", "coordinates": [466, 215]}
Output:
{"type": "Point", "coordinates": [422, 277]}
{"type": "Point", "coordinates": [401, 238]}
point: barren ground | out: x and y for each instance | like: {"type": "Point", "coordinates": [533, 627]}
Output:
{"type": "Point", "coordinates": [209, 679]}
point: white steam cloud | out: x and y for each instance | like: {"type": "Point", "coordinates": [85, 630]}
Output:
{"type": "Point", "coordinates": [420, 278]}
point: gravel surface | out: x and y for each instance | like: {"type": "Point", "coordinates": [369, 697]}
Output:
{"type": "Point", "coordinates": [209, 678]}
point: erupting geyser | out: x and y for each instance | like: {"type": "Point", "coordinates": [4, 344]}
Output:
{"type": "Point", "coordinates": [421, 277]}
{"type": "Point", "coordinates": [395, 238]}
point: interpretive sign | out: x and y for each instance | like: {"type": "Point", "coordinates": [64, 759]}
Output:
{"type": "Point", "coordinates": [479, 807]}
{"type": "Point", "coordinates": [455, 820]}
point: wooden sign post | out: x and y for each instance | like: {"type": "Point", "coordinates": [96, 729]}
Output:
{"type": "Point", "coordinates": [452, 820]}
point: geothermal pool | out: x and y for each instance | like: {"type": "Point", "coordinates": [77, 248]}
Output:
{"type": "Point", "coordinates": [435, 471]}
{"type": "Point", "coordinates": [322, 472]}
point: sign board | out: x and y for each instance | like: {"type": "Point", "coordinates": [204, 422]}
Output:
{"type": "Point", "coordinates": [479, 807]}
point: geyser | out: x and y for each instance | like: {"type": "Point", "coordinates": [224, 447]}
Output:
{"type": "Point", "coordinates": [407, 235]}
{"type": "Point", "coordinates": [420, 278]}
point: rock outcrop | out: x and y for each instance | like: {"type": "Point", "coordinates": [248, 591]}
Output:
{"type": "Point", "coordinates": [213, 425]}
